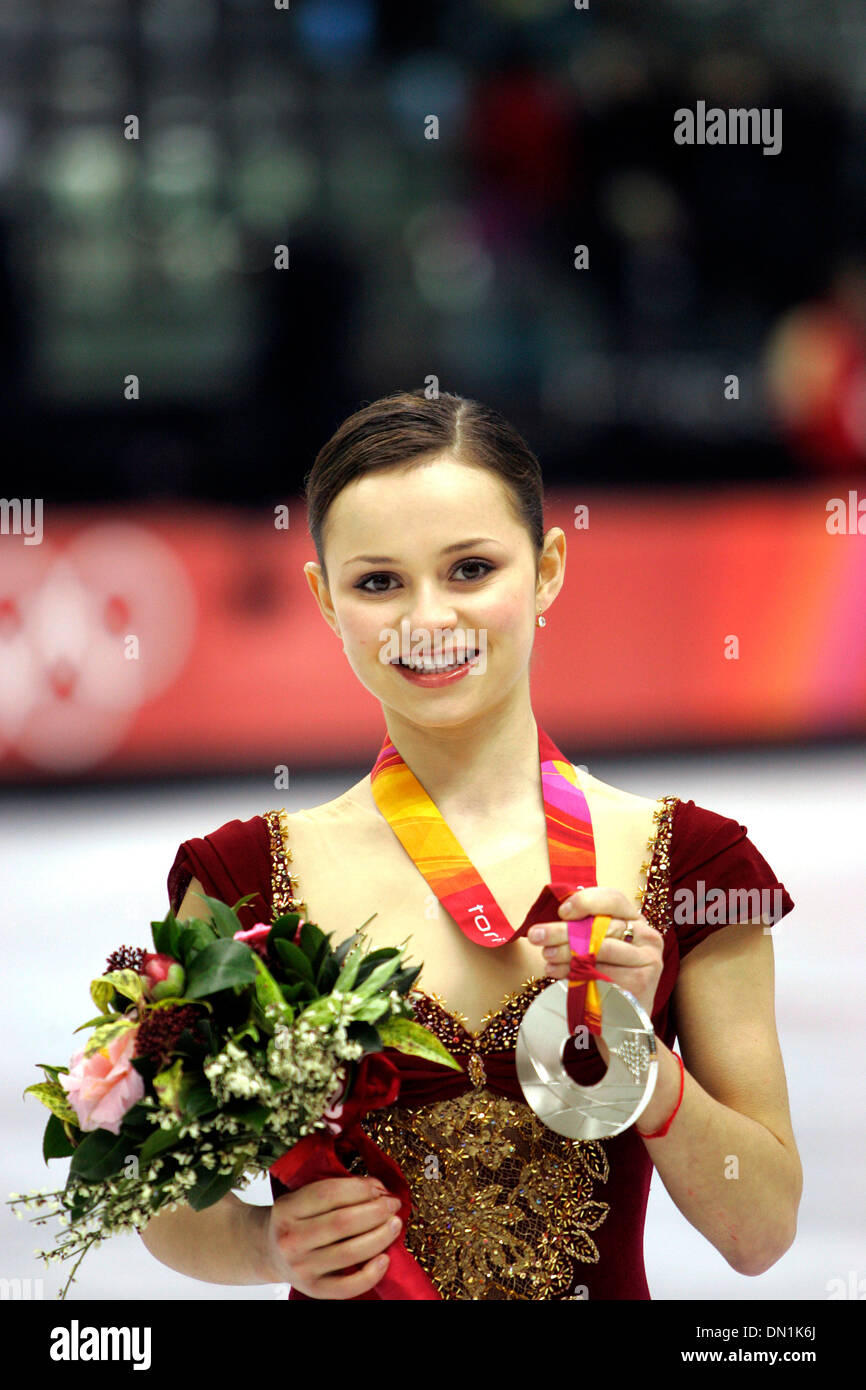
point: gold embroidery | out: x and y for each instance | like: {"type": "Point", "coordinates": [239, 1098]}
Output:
{"type": "Point", "coordinates": [477, 1074]}
{"type": "Point", "coordinates": [502, 1207]}
{"type": "Point", "coordinates": [284, 884]}
{"type": "Point", "coordinates": [655, 904]}
{"type": "Point", "coordinates": [498, 1027]}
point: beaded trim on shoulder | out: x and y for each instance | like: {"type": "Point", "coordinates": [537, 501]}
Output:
{"type": "Point", "coordinates": [284, 884]}
{"type": "Point", "coordinates": [655, 902]}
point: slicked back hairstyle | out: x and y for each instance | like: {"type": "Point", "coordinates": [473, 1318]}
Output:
{"type": "Point", "coordinates": [408, 426]}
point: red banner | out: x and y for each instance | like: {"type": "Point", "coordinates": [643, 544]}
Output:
{"type": "Point", "coordinates": [187, 638]}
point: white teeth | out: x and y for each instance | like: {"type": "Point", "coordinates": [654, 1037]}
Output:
{"type": "Point", "coordinates": [431, 667]}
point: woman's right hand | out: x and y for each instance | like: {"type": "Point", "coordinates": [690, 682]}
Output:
{"type": "Point", "coordinates": [326, 1227]}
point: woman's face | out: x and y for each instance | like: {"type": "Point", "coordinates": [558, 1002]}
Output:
{"type": "Point", "coordinates": [428, 565]}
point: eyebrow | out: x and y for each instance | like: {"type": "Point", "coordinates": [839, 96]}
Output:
{"type": "Point", "coordinates": [446, 550]}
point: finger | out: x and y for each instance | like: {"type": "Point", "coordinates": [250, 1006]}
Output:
{"type": "Point", "coordinates": [629, 931]}
{"type": "Point", "coordinates": [597, 902]}
{"type": "Point", "coordinates": [555, 934]}
{"type": "Point", "coordinates": [557, 955]}
{"type": "Point", "coordinates": [561, 954]}
{"type": "Point", "coordinates": [326, 1193]}
{"type": "Point", "coordinates": [548, 934]}
{"type": "Point", "coordinates": [631, 954]}
{"type": "Point", "coordinates": [347, 1286]}
{"type": "Point", "coordinates": [348, 1235]}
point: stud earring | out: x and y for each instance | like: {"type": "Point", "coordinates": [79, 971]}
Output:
{"type": "Point", "coordinates": [541, 620]}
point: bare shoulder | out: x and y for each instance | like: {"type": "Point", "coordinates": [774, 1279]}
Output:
{"type": "Point", "coordinates": [192, 903]}
{"type": "Point", "coordinates": [616, 799]}
{"type": "Point", "coordinates": [354, 804]}
{"type": "Point", "coordinates": [347, 829]}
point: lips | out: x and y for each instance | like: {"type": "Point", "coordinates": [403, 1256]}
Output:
{"type": "Point", "coordinates": [445, 676]}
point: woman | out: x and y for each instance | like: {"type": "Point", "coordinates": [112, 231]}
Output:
{"type": "Point", "coordinates": [427, 518]}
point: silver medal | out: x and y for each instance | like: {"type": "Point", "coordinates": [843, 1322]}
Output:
{"type": "Point", "coordinates": [614, 1102]}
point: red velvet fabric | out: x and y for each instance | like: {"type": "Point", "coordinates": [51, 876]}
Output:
{"type": "Point", "coordinates": [704, 846]}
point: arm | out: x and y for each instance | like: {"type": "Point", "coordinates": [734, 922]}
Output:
{"type": "Point", "coordinates": [227, 1242]}
{"type": "Point", "coordinates": [729, 1160]}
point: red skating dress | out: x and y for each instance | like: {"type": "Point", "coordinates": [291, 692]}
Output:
{"type": "Point", "coordinates": [504, 1208]}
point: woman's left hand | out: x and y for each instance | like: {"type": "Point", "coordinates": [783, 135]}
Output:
{"type": "Point", "coordinates": [634, 965]}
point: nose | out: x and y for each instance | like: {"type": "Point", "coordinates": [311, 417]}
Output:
{"type": "Point", "coordinates": [431, 608]}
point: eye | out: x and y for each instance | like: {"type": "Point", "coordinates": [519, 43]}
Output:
{"type": "Point", "coordinates": [362, 583]}
{"type": "Point", "coordinates": [486, 570]}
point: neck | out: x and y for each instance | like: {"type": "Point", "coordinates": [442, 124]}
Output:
{"type": "Point", "coordinates": [475, 769]}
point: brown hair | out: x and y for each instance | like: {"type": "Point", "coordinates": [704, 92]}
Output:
{"type": "Point", "coordinates": [406, 426]}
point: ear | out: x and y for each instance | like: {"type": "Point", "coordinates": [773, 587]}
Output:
{"type": "Point", "coordinates": [321, 593]}
{"type": "Point", "coordinates": [551, 566]}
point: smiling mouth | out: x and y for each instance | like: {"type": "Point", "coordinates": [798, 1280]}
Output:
{"type": "Point", "coordinates": [432, 668]}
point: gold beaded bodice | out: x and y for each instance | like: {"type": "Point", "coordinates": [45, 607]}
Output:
{"type": "Point", "coordinates": [502, 1206]}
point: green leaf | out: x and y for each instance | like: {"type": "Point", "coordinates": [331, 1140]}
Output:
{"type": "Point", "coordinates": [366, 1035]}
{"type": "Point", "coordinates": [293, 959]}
{"type": "Point", "coordinates": [311, 939]}
{"type": "Point", "coordinates": [341, 951]}
{"type": "Point", "coordinates": [159, 1140]}
{"type": "Point", "coordinates": [269, 992]}
{"type": "Point", "coordinates": [52, 1094]}
{"type": "Point", "coordinates": [371, 1010]}
{"type": "Point", "coordinates": [55, 1141]}
{"type": "Point", "coordinates": [200, 1101]}
{"type": "Point", "coordinates": [194, 936]}
{"type": "Point", "coordinates": [254, 1115]}
{"type": "Point", "coordinates": [137, 1116]}
{"type": "Point", "coordinates": [323, 955]}
{"type": "Point", "coordinates": [242, 902]}
{"type": "Point", "coordinates": [247, 1030]}
{"type": "Point", "coordinates": [92, 1022]}
{"type": "Point", "coordinates": [327, 976]}
{"type": "Point", "coordinates": [369, 963]}
{"type": "Point", "coordinates": [101, 992]}
{"type": "Point", "coordinates": [128, 983]}
{"type": "Point", "coordinates": [106, 1033]}
{"type": "Point", "coordinates": [223, 917]}
{"type": "Point", "coordinates": [293, 992]}
{"type": "Point", "coordinates": [176, 1000]}
{"type": "Point", "coordinates": [160, 931]}
{"type": "Point", "coordinates": [346, 978]}
{"type": "Point", "coordinates": [218, 966]}
{"type": "Point", "coordinates": [407, 1035]}
{"type": "Point", "coordinates": [100, 1154]}
{"type": "Point", "coordinates": [284, 927]}
{"type": "Point", "coordinates": [405, 979]}
{"type": "Point", "coordinates": [53, 1072]}
{"type": "Point", "coordinates": [210, 1189]}
{"type": "Point", "coordinates": [377, 978]}
{"type": "Point", "coordinates": [168, 1085]}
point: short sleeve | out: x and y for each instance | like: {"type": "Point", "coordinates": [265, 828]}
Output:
{"type": "Point", "coordinates": [229, 863]}
{"type": "Point", "coordinates": [717, 877]}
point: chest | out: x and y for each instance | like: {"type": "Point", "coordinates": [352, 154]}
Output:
{"type": "Point", "coordinates": [348, 872]}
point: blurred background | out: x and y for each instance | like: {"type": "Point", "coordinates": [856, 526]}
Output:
{"type": "Point", "coordinates": [223, 227]}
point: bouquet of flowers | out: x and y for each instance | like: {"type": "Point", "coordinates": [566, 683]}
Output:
{"type": "Point", "coordinates": [210, 1058]}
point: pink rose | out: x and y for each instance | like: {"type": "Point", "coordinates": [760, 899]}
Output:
{"type": "Point", "coordinates": [163, 976]}
{"type": "Point", "coordinates": [255, 937]}
{"type": "Point", "coordinates": [102, 1087]}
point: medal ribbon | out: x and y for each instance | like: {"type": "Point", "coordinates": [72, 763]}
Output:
{"type": "Point", "coordinates": [440, 858]}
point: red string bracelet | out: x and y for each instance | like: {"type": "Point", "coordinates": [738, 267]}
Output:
{"type": "Point", "coordinates": [660, 1133]}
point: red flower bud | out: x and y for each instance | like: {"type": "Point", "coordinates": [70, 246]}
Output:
{"type": "Point", "coordinates": [163, 975]}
